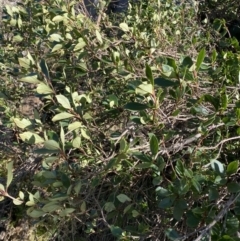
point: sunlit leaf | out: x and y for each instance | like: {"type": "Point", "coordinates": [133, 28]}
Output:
{"type": "Point", "coordinates": [31, 138]}
{"type": "Point", "coordinates": [51, 145]}
{"type": "Point", "coordinates": [62, 116]}
{"type": "Point", "coordinates": [9, 173]}
{"type": "Point", "coordinates": [44, 89]}
{"type": "Point", "coordinates": [63, 100]}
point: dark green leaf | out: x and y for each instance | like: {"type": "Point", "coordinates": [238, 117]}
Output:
{"type": "Point", "coordinates": [116, 231]}
{"type": "Point", "coordinates": [192, 220]}
{"type": "Point", "coordinates": [233, 187]}
{"type": "Point", "coordinates": [177, 212]}
{"type": "Point", "coordinates": [162, 82]}
{"type": "Point", "coordinates": [44, 68]}
{"type": "Point", "coordinates": [172, 234]}
{"type": "Point", "coordinates": [149, 74]}
{"type": "Point", "coordinates": [135, 106]}
{"type": "Point", "coordinates": [153, 144]}
{"type": "Point", "coordinates": [213, 194]}
{"type": "Point", "coordinates": [166, 202]}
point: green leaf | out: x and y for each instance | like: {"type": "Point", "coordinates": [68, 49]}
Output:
{"type": "Point", "coordinates": [123, 145]}
{"type": "Point", "coordinates": [66, 211]}
{"type": "Point", "coordinates": [52, 145]}
{"type": "Point", "coordinates": [21, 195]}
{"type": "Point", "coordinates": [109, 207]}
{"type": "Point", "coordinates": [126, 209]}
{"type": "Point", "coordinates": [57, 47]}
{"type": "Point", "coordinates": [212, 100]}
{"type": "Point", "coordinates": [44, 89]}
{"type": "Point", "coordinates": [162, 82]}
{"type": "Point", "coordinates": [35, 213]}
{"type": "Point", "coordinates": [177, 212]}
{"type": "Point", "coordinates": [99, 37]}
{"type": "Point", "coordinates": [9, 173]}
{"type": "Point", "coordinates": [62, 116]}
{"type": "Point", "coordinates": [135, 213]}
{"type": "Point", "coordinates": [200, 59]}
{"type": "Point", "coordinates": [51, 207]}
{"type": "Point", "coordinates": [31, 138]}
{"type": "Point", "coordinates": [144, 89]}
{"type": "Point", "coordinates": [62, 137]}
{"type": "Point", "coordinates": [116, 231]}
{"type": "Point", "coordinates": [124, 27]}
{"type": "Point", "coordinates": [192, 220]}
{"type": "Point", "coordinates": [144, 165]}
{"type": "Point", "coordinates": [166, 202]}
{"type": "Point", "coordinates": [31, 78]}
{"type": "Point", "coordinates": [24, 62]}
{"type": "Point", "coordinates": [22, 124]}
{"type": "Point", "coordinates": [63, 101]}
{"type": "Point", "coordinates": [17, 201]}
{"type": "Point", "coordinates": [83, 207]}
{"type": "Point", "coordinates": [172, 234]}
{"type": "Point", "coordinates": [213, 194]}
{"type": "Point", "coordinates": [55, 37]}
{"type": "Point", "coordinates": [232, 223]}
{"type": "Point", "coordinates": [85, 134]}
{"type": "Point", "coordinates": [135, 106]}
{"type": "Point", "coordinates": [232, 168]}
{"type": "Point", "coordinates": [149, 74]}
{"type": "Point", "coordinates": [81, 44]}
{"type": "Point", "coordinates": [77, 142]}
{"type": "Point", "coordinates": [75, 125]}
{"type": "Point", "coordinates": [44, 68]}
{"type": "Point", "coordinates": [2, 187]}
{"type": "Point", "coordinates": [233, 187]}
{"type": "Point", "coordinates": [196, 185]}
{"type": "Point", "coordinates": [123, 198]}
{"type": "Point", "coordinates": [154, 145]}
{"type": "Point", "coordinates": [217, 166]}
{"type": "Point", "coordinates": [58, 18]}
{"type": "Point", "coordinates": [77, 187]}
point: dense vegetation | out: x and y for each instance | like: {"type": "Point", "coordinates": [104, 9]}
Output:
{"type": "Point", "coordinates": [126, 128]}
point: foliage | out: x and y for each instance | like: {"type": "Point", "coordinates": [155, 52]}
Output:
{"type": "Point", "coordinates": [138, 133]}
